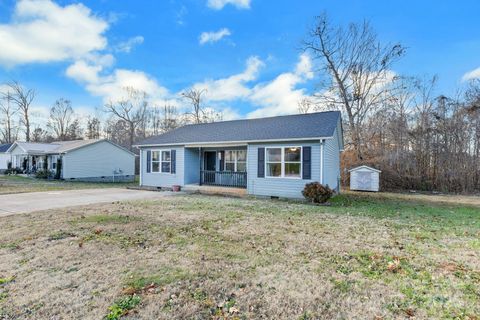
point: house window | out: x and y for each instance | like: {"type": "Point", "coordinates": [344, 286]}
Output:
{"type": "Point", "coordinates": [283, 162]}
{"type": "Point", "coordinates": [161, 161]}
{"type": "Point", "coordinates": [236, 160]}
{"type": "Point", "coordinates": [166, 161]}
{"type": "Point", "coordinates": [53, 163]}
{"type": "Point", "coordinates": [292, 162]}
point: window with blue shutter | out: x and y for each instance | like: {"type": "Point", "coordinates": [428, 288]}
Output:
{"type": "Point", "coordinates": [307, 163]}
{"type": "Point", "coordinates": [149, 161]}
{"type": "Point", "coordinates": [174, 161]}
{"type": "Point", "coordinates": [261, 163]}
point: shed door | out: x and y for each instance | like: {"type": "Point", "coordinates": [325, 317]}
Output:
{"type": "Point", "coordinates": [364, 180]}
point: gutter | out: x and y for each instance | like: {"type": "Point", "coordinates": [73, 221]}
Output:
{"type": "Point", "coordinates": [229, 142]}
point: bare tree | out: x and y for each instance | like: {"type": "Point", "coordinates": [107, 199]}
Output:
{"type": "Point", "coordinates": [23, 98]}
{"type": "Point", "coordinates": [93, 128]}
{"type": "Point", "coordinates": [358, 69]}
{"type": "Point", "coordinates": [132, 110]}
{"type": "Point", "coordinates": [165, 119]}
{"type": "Point", "coordinates": [8, 111]}
{"type": "Point", "coordinates": [305, 105]}
{"type": "Point", "coordinates": [61, 117]}
{"type": "Point", "coordinates": [199, 113]}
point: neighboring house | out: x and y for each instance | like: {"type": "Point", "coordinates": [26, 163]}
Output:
{"type": "Point", "coordinates": [273, 156]}
{"type": "Point", "coordinates": [4, 156]}
{"type": "Point", "coordinates": [89, 160]}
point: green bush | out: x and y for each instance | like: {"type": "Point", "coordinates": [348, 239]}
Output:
{"type": "Point", "coordinates": [13, 171]}
{"type": "Point", "coordinates": [317, 193]}
{"type": "Point", "coordinates": [43, 174]}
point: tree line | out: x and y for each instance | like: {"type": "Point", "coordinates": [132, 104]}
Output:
{"type": "Point", "coordinates": [397, 123]}
{"type": "Point", "coordinates": [129, 119]}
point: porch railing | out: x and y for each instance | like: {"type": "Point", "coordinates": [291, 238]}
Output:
{"type": "Point", "coordinates": [223, 178]}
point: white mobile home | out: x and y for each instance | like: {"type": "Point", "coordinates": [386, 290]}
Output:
{"type": "Point", "coordinates": [88, 160]}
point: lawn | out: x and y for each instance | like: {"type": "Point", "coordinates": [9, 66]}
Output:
{"type": "Point", "coordinates": [208, 257]}
{"type": "Point", "coordinates": [20, 184]}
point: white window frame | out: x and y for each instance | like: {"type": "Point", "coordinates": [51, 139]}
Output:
{"type": "Point", "coordinates": [282, 162]}
{"type": "Point", "coordinates": [235, 161]}
{"type": "Point", "coordinates": [160, 161]}
{"type": "Point", "coordinates": [54, 160]}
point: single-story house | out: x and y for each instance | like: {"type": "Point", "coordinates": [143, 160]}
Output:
{"type": "Point", "coordinates": [4, 156]}
{"type": "Point", "coordinates": [273, 156]}
{"type": "Point", "coordinates": [86, 160]}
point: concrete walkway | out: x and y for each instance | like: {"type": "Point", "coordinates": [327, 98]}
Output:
{"type": "Point", "coordinates": [36, 201]}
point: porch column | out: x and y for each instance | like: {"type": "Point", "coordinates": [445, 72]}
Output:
{"type": "Point", "coordinates": [200, 166]}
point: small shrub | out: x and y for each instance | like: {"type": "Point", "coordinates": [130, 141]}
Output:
{"type": "Point", "coordinates": [43, 174]}
{"type": "Point", "coordinates": [11, 171]}
{"type": "Point", "coordinates": [122, 307]}
{"type": "Point", "coordinates": [317, 193]}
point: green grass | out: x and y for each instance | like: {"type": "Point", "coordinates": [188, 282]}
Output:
{"type": "Point", "coordinates": [19, 184]}
{"type": "Point", "coordinates": [204, 257]}
{"type": "Point", "coordinates": [122, 307]}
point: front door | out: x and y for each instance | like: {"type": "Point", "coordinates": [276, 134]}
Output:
{"type": "Point", "coordinates": [210, 165]}
{"type": "Point", "coordinates": [210, 160]}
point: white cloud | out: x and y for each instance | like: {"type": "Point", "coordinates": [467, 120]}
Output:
{"type": "Point", "coordinates": [474, 74]}
{"type": "Point", "coordinates": [41, 31]}
{"type": "Point", "coordinates": [233, 87]}
{"type": "Point", "coordinates": [213, 36]}
{"type": "Point", "coordinates": [128, 45]}
{"type": "Point", "coordinates": [276, 97]}
{"type": "Point", "coordinates": [219, 4]}
{"type": "Point", "coordinates": [281, 95]}
{"type": "Point", "coordinates": [111, 87]}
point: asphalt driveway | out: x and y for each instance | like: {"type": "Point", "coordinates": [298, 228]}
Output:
{"type": "Point", "coordinates": [36, 201]}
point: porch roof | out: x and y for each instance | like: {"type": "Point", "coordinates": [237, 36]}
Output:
{"type": "Point", "coordinates": [282, 128]}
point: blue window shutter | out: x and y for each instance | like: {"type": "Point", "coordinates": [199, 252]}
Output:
{"type": "Point", "coordinates": [149, 161]}
{"type": "Point", "coordinates": [222, 161]}
{"type": "Point", "coordinates": [307, 163]}
{"type": "Point", "coordinates": [173, 158]}
{"type": "Point", "coordinates": [261, 163]}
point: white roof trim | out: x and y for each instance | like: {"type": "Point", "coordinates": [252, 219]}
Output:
{"type": "Point", "coordinates": [95, 142]}
{"type": "Point", "coordinates": [364, 167]}
{"type": "Point", "coordinates": [241, 142]}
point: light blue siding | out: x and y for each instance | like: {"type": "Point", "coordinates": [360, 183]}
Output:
{"type": "Point", "coordinates": [332, 161]}
{"type": "Point", "coordinates": [280, 187]}
{"type": "Point", "coordinates": [192, 166]}
{"type": "Point", "coordinates": [166, 180]}
{"type": "Point", "coordinates": [99, 159]}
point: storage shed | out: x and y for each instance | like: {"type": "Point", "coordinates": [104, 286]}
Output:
{"type": "Point", "coordinates": [364, 178]}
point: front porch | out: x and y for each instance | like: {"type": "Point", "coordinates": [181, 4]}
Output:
{"type": "Point", "coordinates": [224, 167]}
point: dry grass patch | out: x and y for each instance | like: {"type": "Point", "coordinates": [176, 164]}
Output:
{"type": "Point", "coordinates": [20, 184]}
{"type": "Point", "coordinates": [202, 257]}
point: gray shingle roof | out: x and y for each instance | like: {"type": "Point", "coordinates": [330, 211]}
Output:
{"type": "Point", "coordinates": [299, 126]}
{"type": "Point", "coordinates": [4, 147]}
{"type": "Point", "coordinates": [54, 147]}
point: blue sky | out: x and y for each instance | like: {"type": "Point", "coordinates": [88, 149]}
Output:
{"type": "Point", "coordinates": [250, 61]}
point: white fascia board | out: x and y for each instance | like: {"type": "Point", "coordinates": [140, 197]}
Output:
{"type": "Point", "coordinates": [230, 143]}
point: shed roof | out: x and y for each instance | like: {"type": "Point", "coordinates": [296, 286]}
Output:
{"type": "Point", "coordinates": [300, 126]}
{"type": "Point", "coordinates": [364, 167]}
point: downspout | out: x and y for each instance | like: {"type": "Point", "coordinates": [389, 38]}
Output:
{"type": "Point", "coordinates": [140, 167]}
{"type": "Point", "coordinates": [322, 157]}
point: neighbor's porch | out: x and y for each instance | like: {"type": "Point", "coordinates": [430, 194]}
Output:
{"type": "Point", "coordinates": [31, 163]}
{"type": "Point", "coordinates": [222, 166]}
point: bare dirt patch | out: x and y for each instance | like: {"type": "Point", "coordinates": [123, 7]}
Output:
{"type": "Point", "coordinates": [206, 257]}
